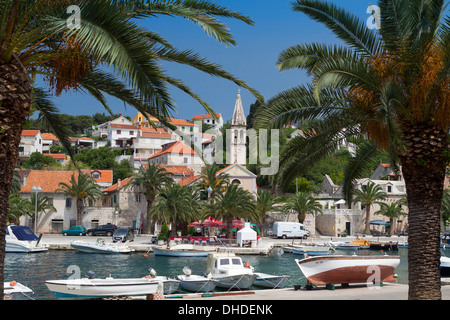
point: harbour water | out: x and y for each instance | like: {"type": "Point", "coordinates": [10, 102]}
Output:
{"type": "Point", "coordinates": [33, 270]}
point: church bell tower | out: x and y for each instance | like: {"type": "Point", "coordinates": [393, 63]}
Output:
{"type": "Point", "coordinates": [238, 150]}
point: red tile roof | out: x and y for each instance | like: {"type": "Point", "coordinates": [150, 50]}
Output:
{"type": "Point", "coordinates": [49, 136]}
{"type": "Point", "coordinates": [180, 122]}
{"type": "Point", "coordinates": [177, 169]}
{"type": "Point", "coordinates": [49, 180]}
{"type": "Point", "coordinates": [115, 187]}
{"type": "Point", "coordinates": [60, 156]}
{"type": "Point", "coordinates": [173, 148]}
{"type": "Point", "coordinates": [188, 180]}
{"type": "Point", "coordinates": [205, 116]}
{"type": "Point", "coordinates": [29, 133]}
{"type": "Point", "coordinates": [124, 126]}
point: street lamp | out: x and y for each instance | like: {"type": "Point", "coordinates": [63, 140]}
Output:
{"type": "Point", "coordinates": [36, 190]}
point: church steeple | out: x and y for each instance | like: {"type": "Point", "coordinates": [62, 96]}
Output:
{"type": "Point", "coordinates": [239, 118]}
{"type": "Point", "coordinates": [238, 150]}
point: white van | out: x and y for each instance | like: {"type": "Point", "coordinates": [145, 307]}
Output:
{"type": "Point", "coordinates": [289, 230]}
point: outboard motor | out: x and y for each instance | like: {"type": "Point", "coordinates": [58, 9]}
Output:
{"type": "Point", "coordinates": [90, 274]}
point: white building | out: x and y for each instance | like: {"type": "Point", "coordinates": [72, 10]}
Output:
{"type": "Point", "coordinates": [101, 130]}
{"type": "Point", "coordinates": [208, 119]}
{"type": "Point", "coordinates": [30, 141]}
{"type": "Point", "coordinates": [122, 135]}
{"type": "Point", "coordinates": [177, 153]}
{"type": "Point", "coordinates": [149, 141]}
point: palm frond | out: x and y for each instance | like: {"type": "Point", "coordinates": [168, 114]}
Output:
{"type": "Point", "coordinates": [344, 25]}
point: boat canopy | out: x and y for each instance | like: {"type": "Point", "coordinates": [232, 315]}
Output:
{"type": "Point", "coordinates": [24, 233]}
{"type": "Point", "coordinates": [380, 223]}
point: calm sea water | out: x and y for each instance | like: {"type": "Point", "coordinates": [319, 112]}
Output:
{"type": "Point", "coordinates": [33, 270]}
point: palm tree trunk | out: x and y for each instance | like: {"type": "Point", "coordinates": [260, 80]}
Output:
{"type": "Point", "coordinates": [367, 230]}
{"type": "Point", "coordinates": [149, 222]}
{"type": "Point", "coordinates": [79, 212]}
{"type": "Point", "coordinates": [15, 103]}
{"type": "Point", "coordinates": [423, 167]}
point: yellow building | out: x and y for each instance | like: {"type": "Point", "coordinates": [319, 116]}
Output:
{"type": "Point", "coordinates": [140, 119]}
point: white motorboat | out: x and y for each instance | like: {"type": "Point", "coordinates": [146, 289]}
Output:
{"type": "Point", "coordinates": [196, 283]}
{"type": "Point", "coordinates": [182, 250]}
{"type": "Point", "coordinates": [100, 246]}
{"type": "Point", "coordinates": [445, 266]}
{"type": "Point", "coordinates": [291, 247]}
{"type": "Point", "coordinates": [22, 240]}
{"type": "Point", "coordinates": [229, 271]}
{"type": "Point", "coordinates": [91, 288]}
{"type": "Point", "coordinates": [169, 285]}
{"type": "Point", "coordinates": [338, 269]}
{"type": "Point", "coordinates": [15, 289]}
{"type": "Point", "coordinates": [270, 281]}
{"type": "Point", "coordinates": [343, 246]}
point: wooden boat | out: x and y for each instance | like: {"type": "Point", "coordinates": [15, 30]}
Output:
{"type": "Point", "coordinates": [362, 244]}
{"type": "Point", "coordinates": [338, 269]}
{"type": "Point", "coordinates": [229, 271]}
{"type": "Point", "coordinates": [86, 288]}
{"type": "Point", "coordinates": [196, 283]}
{"type": "Point", "coordinates": [100, 246]}
{"type": "Point", "coordinates": [182, 250]}
{"type": "Point", "coordinates": [290, 248]}
{"type": "Point", "coordinates": [311, 250]}
{"type": "Point", "coordinates": [270, 281]}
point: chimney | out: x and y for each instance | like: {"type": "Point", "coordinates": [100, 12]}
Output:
{"type": "Point", "coordinates": [45, 167]}
{"type": "Point", "coordinates": [119, 182]}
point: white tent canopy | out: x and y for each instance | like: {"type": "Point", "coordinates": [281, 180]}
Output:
{"type": "Point", "coordinates": [246, 234]}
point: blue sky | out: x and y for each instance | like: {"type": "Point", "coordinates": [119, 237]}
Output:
{"type": "Point", "coordinates": [253, 58]}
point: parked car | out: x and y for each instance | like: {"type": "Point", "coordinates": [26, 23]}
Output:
{"type": "Point", "coordinates": [74, 231]}
{"type": "Point", "coordinates": [103, 230]}
{"type": "Point", "coordinates": [123, 234]}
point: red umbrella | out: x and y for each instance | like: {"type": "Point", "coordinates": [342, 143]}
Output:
{"type": "Point", "coordinates": [211, 222]}
{"type": "Point", "coordinates": [238, 224]}
{"type": "Point", "coordinates": [196, 224]}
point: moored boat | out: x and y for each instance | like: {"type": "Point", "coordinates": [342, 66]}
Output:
{"type": "Point", "coordinates": [100, 246]}
{"type": "Point", "coordinates": [196, 283]}
{"type": "Point", "coordinates": [338, 269]}
{"type": "Point", "coordinates": [445, 266]}
{"type": "Point", "coordinates": [229, 271]}
{"type": "Point", "coordinates": [20, 239]}
{"type": "Point", "coordinates": [182, 250]}
{"type": "Point", "coordinates": [344, 246]}
{"type": "Point", "coordinates": [86, 288]}
{"type": "Point", "coordinates": [270, 281]}
{"type": "Point", "coordinates": [15, 289]}
{"type": "Point", "coordinates": [385, 246]}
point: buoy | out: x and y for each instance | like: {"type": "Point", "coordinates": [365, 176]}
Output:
{"type": "Point", "coordinates": [12, 283]}
{"type": "Point", "coordinates": [147, 276]}
{"type": "Point", "coordinates": [247, 264]}
{"type": "Point", "coordinates": [146, 255]}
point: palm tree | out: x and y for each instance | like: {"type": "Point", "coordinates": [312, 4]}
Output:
{"type": "Point", "coordinates": [150, 181]}
{"type": "Point", "coordinates": [391, 210]}
{"type": "Point", "coordinates": [177, 205]}
{"type": "Point", "coordinates": [80, 188]}
{"type": "Point", "coordinates": [212, 181]}
{"type": "Point", "coordinates": [369, 195]}
{"type": "Point", "coordinates": [303, 203]}
{"type": "Point", "coordinates": [265, 203]}
{"type": "Point", "coordinates": [106, 54]}
{"type": "Point", "coordinates": [40, 203]}
{"type": "Point", "coordinates": [390, 86]}
{"type": "Point", "coordinates": [233, 203]}
{"type": "Point", "coordinates": [18, 207]}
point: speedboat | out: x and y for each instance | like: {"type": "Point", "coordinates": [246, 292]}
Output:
{"type": "Point", "coordinates": [22, 239]}
{"type": "Point", "coordinates": [92, 288]}
{"type": "Point", "coordinates": [335, 269]}
{"type": "Point", "coordinates": [169, 285]}
{"type": "Point", "coordinates": [445, 266]}
{"type": "Point", "coordinates": [196, 283]}
{"type": "Point", "coordinates": [182, 250]}
{"type": "Point", "coordinates": [343, 246]}
{"type": "Point", "coordinates": [229, 271]}
{"type": "Point", "coordinates": [270, 281]}
{"type": "Point", "coordinates": [100, 246]}
{"type": "Point", "coordinates": [15, 289]}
